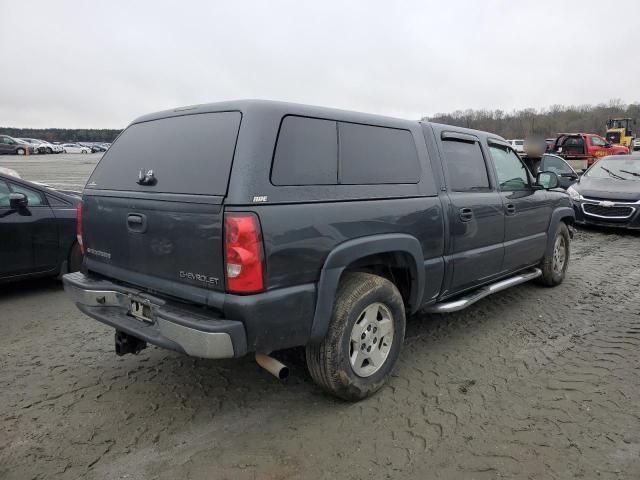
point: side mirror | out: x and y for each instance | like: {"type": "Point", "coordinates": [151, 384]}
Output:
{"type": "Point", "coordinates": [547, 180]}
{"type": "Point", "coordinates": [607, 145]}
{"type": "Point", "coordinates": [18, 200]}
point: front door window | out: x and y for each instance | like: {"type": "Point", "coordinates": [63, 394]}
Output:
{"type": "Point", "coordinates": [512, 174]}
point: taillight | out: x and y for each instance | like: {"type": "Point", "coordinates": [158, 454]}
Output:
{"type": "Point", "coordinates": [244, 260]}
{"type": "Point", "coordinates": [79, 227]}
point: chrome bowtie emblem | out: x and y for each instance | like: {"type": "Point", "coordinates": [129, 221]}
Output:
{"type": "Point", "coordinates": [146, 178]}
{"type": "Point", "coordinates": [606, 203]}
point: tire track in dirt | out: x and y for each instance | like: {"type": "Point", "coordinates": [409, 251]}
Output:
{"type": "Point", "coordinates": [529, 383]}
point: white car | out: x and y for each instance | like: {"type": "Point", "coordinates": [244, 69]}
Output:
{"type": "Point", "coordinates": [74, 148]}
{"type": "Point", "coordinates": [518, 145]}
{"type": "Point", "coordinates": [636, 144]}
{"type": "Point", "coordinates": [37, 145]}
{"type": "Point", "coordinates": [43, 146]}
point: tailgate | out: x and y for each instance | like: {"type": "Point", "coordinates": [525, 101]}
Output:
{"type": "Point", "coordinates": [179, 242]}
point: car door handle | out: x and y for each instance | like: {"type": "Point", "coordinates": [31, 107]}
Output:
{"type": "Point", "coordinates": [510, 208]}
{"type": "Point", "coordinates": [136, 222]}
{"type": "Point", "coordinates": [466, 214]}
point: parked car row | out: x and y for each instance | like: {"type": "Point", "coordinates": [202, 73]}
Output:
{"type": "Point", "coordinates": [30, 146]}
{"type": "Point", "coordinates": [581, 150]}
{"type": "Point", "coordinates": [42, 146]}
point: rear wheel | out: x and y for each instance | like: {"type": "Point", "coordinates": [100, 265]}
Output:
{"type": "Point", "coordinates": [365, 335]}
{"type": "Point", "coordinates": [555, 263]}
{"type": "Point", "coordinates": [20, 151]}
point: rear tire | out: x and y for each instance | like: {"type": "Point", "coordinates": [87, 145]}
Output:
{"type": "Point", "coordinates": [364, 338]}
{"type": "Point", "coordinates": [75, 258]}
{"type": "Point", "coordinates": [554, 264]}
{"type": "Point", "coordinates": [20, 151]}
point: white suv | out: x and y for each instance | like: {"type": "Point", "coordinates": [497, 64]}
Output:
{"type": "Point", "coordinates": [518, 145]}
{"type": "Point", "coordinates": [43, 146]}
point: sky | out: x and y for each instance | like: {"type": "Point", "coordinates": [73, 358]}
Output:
{"type": "Point", "coordinates": [100, 64]}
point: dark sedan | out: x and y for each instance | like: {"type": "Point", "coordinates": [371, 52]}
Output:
{"type": "Point", "coordinates": [97, 148]}
{"type": "Point", "coordinates": [37, 230]}
{"type": "Point", "coordinates": [608, 194]}
{"type": "Point", "coordinates": [567, 176]}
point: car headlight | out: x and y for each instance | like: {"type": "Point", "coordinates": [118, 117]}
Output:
{"type": "Point", "coordinates": [573, 193]}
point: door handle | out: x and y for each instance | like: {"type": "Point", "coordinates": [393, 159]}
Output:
{"type": "Point", "coordinates": [137, 222]}
{"type": "Point", "coordinates": [511, 208]}
{"type": "Point", "coordinates": [466, 214]}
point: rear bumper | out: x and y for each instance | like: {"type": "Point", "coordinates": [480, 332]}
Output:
{"type": "Point", "coordinates": [174, 326]}
{"type": "Point", "coordinates": [264, 322]}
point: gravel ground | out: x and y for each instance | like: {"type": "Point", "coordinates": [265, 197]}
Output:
{"type": "Point", "coordinates": [530, 383]}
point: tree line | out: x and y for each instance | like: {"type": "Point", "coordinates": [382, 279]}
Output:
{"type": "Point", "coordinates": [545, 123]}
{"type": "Point", "coordinates": [64, 135]}
{"type": "Point", "coordinates": [526, 123]}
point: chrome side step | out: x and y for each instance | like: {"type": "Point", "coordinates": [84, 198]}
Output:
{"type": "Point", "coordinates": [471, 298]}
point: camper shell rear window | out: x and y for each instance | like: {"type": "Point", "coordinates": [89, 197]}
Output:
{"type": "Point", "coordinates": [188, 154]}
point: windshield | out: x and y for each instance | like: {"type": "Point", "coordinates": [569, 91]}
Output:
{"type": "Point", "coordinates": [619, 169]}
{"type": "Point", "coordinates": [618, 124]}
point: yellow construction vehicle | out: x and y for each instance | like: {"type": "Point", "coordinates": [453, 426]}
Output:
{"type": "Point", "coordinates": [619, 131]}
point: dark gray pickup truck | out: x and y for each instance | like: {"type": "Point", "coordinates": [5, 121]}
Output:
{"type": "Point", "coordinates": [253, 226]}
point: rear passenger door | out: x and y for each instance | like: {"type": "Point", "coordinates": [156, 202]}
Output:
{"type": "Point", "coordinates": [475, 214]}
{"type": "Point", "coordinates": [527, 209]}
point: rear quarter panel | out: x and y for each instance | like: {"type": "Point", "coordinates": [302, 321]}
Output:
{"type": "Point", "coordinates": [298, 238]}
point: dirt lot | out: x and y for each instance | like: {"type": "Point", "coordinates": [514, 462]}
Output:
{"type": "Point", "coordinates": [66, 171]}
{"type": "Point", "coordinates": [529, 383]}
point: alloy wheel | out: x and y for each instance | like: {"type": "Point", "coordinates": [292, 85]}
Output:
{"type": "Point", "coordinates": [559, 254]}
{"type": "Point", "coordinates": [371, 339]}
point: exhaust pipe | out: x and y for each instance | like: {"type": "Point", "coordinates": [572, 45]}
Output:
{"type": "Point", "coordinates": [273, 366]}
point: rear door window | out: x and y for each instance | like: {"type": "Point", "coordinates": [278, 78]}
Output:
{"type": "Point", "coordinates": [376, 155]}
{"type": "Point", "coordinates": [190, 154]}
{"type": "Point", "coordinates": [466, 168]}
{"type": "Point", "coordinates": [306, 152]}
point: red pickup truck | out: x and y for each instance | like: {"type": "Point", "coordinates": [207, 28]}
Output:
{"type": "Point", "coordinates": [581, 150]}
